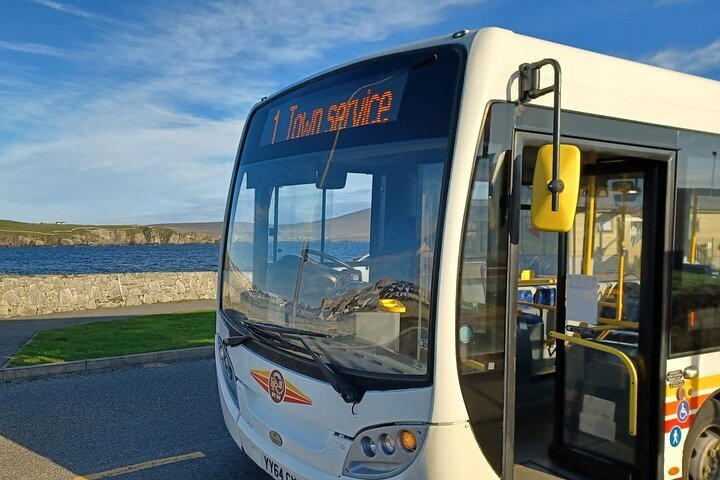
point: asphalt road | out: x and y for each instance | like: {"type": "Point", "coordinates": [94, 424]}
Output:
{"type": "Point", "coordinates": [83, 424]}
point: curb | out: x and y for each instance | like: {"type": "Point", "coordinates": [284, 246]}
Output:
{"type": "Point", "coordinates": [168, 356]}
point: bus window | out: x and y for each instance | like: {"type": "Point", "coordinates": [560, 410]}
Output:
{"type": "Point", "coordinates": [695, 317]}
{"type": "Point", "coordinates": [336, 224]}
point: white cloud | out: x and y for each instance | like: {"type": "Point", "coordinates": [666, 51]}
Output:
{"type": "Point", "coordinates": [138, 135]}
{"type": "Point", "coordinates": [61, 7]}
{"type": "Point", "coordinates": [33, 48]}
{"type": "Point", "coordinates": [665, 3]}
{"type": "Point", "coordinates": [697, 60]}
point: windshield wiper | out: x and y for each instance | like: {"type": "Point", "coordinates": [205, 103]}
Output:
{"type": "Point", "coordinates": [257, 333]}
{"type": "Point", "coordinates": [285, 329]}
{"type": "Point", "coordinates": [346, 391]}
{"type": "Point", "coordinates": [236, 338]}
{"type": "Point", "coordinates": [265, 333]}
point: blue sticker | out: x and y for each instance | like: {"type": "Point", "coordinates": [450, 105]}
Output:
{"type": "Point", "coordinates": [675, 436]}
{"type": "Point", "coordinates": [683, 411]}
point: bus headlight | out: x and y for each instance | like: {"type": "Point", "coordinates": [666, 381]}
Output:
{"type": "Point", "coordinates": [375, 453]}
{"type": "Point", "coordinates": [368, 446]}
{"type": "Point", "coordinates": [388, 444]}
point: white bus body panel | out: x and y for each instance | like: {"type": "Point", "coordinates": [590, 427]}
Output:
{"type": "Point", "coordinates": [449, 451]}
{"type": "Point", "coordinates": [703, 387]}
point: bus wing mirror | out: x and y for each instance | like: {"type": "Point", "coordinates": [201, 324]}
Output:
{"type": "Point", "coordinates": [541, 213]}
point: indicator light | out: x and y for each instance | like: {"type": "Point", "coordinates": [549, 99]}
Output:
{"type": "Point", "coordinates": [408, 441]}
{"type": "Point", "coordinates": [681, 394]}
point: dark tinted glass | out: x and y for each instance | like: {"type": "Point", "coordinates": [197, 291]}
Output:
{"type": "Point", "coordinates": [695, 317]}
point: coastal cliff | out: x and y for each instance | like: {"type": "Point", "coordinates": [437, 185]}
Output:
{"type": "Point", "coordinates": [17, 234]}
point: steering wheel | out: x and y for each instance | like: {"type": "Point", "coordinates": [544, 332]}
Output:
{"type": "Point", "coordinates": [344, 277]}
{"type": "Point", "coordinates": [336, 261]}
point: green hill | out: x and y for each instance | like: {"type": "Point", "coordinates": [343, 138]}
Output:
{"type": "Point", "coordinates": [21, 234]}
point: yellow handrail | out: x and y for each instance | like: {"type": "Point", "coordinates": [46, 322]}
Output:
{"type": "Point", "coordinates": [539, 306]}
{"type": "Point", "coordinates": [632, 401]}
{"type": "Point", "coordinates": [618, 323]}
{"type": "Point", "coordinates": [603, 303]}
{"type": "Point", "coordinates": [608, 327]}
{"type": "Point", "coordinates": [537, 281]}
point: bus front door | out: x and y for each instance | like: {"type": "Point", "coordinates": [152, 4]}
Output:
{"type": "Point", "coordinates": [586, 368]}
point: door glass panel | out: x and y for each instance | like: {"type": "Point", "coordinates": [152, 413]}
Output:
{"type": "Point", "coordinates": [482, 295]}
{"type": "Point", "coordinates": [603, 304]}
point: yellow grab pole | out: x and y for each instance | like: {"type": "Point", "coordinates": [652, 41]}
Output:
{"type": "Point", "coordinates": [589, 228]}
{"type": "Point", "coordinates": [693, 229]}
{"type": "Point", "coordinates": [621, 262]}
{"type": "Point", "coordinates": [621, 287]}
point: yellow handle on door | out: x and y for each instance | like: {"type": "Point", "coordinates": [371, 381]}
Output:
{"type": "Point", "coordinates": [633, 396]}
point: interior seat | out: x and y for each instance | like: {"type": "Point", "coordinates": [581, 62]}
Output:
{"type": "Point", "coordinates": [317, 282]}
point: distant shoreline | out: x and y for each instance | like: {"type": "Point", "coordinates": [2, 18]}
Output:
{"type": "Point", "coordinates": [20, 234]}
{"type": "Point", "coordinates": [80, 245]}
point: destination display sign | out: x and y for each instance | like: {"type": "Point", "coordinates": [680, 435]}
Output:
{"type": "Point", "coordinates": [366, 101]}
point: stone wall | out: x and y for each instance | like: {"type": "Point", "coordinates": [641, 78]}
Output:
{"type": "Point", "coordinates": [41, 294]}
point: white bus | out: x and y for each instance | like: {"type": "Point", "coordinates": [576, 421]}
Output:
{"type": "Point", "coordinates": [418, 281]}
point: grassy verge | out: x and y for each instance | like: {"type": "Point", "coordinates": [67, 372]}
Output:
{"type": "Point", "coordinates": [121, 337]}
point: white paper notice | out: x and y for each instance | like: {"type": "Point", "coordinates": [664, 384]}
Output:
{"type": "Point", "coordinates": [582, 298]}
{"type": "Point", "coordinates": [598, 417]}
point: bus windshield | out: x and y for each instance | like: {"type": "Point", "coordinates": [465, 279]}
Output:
{"type": "Point", "coordinates": [336, 202]}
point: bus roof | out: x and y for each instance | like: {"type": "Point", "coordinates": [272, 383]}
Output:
{"type": "Point", "coordinates": [599, 84]}
{"type": "Point", "coordinates": [592, 83]}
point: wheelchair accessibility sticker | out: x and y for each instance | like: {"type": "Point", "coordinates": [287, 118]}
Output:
{"type": "Point", "coordinates": [683, 411]}
{"type": "Point", "coordinates": [675, 436]}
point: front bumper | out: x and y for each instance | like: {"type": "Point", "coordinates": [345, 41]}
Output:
{"type": "Point", "coordinates": [449, 451]}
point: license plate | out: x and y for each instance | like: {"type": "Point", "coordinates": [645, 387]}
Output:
{"type": "Point", "coordinates": [277, 471]}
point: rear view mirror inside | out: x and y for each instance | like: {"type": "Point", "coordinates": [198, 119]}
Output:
{"type": "Point", "coordinates": [330, 176]}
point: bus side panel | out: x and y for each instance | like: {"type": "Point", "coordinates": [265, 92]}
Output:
{"type": "Point", "coordinates": [451, 452]}
{"type": "Point", "coordinates": [683, 399]}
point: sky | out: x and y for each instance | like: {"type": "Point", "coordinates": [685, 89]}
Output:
{"type": "Point", "coordinates": [130, 111]}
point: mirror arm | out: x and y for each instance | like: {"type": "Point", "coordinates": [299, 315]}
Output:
{"type": "Point", "coordinates": [529, 81]}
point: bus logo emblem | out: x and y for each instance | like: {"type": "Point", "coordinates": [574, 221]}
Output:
{"type": "Point", "coordinates": [275, 438]}
{"type": "Point", "coordinates": [279, 388]}
{"type": "Point", "coordinates": [276, 386]}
